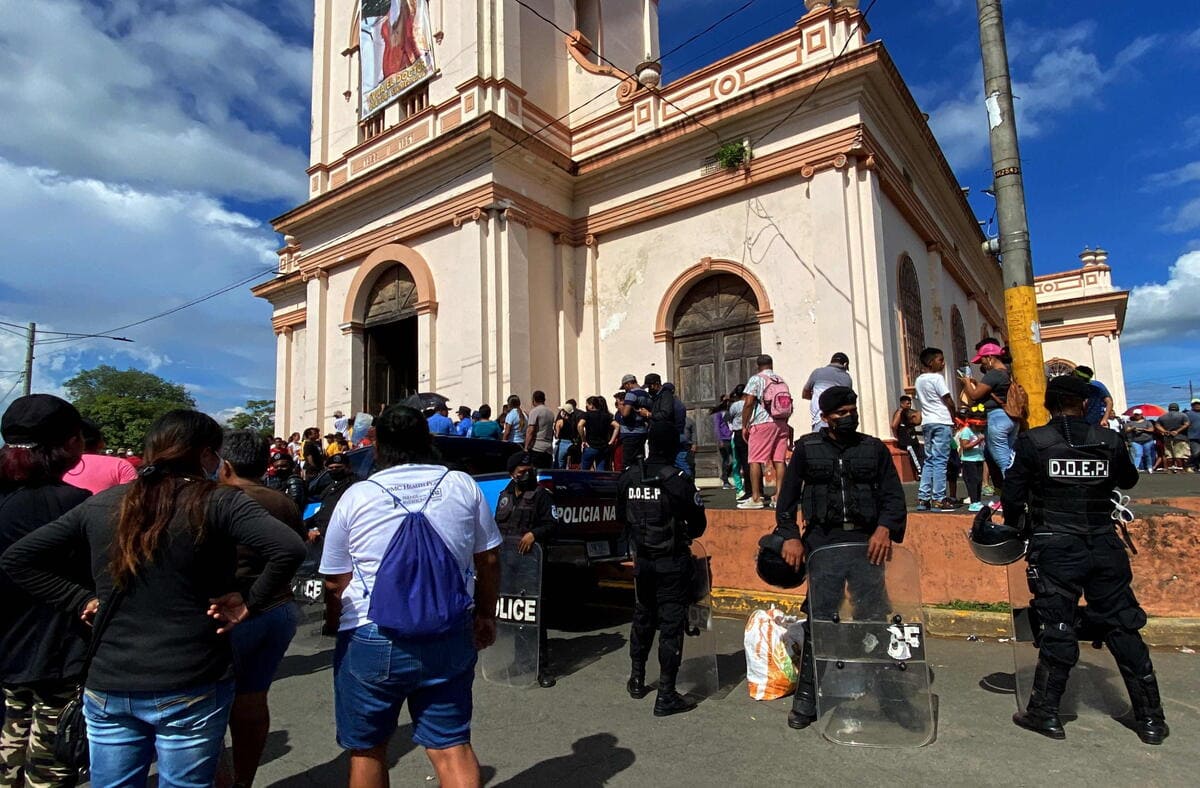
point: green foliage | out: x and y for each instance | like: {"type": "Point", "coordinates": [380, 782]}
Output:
{"type": "Point", "coordinates": [731, 155]}
{"type": "Point", "coordinates": [125, 402]}
{"type": "Point", "coordinates": [978, 607]}
{"type": "Point", "coordinates": [259, 415]}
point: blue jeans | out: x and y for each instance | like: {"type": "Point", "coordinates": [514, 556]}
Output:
{"type": "Point", "coordinates": [594, 457]}
{"type": "Point", "coordinates": [1142, 453]}
{"type": "Point", "coordinates": [560, 454]}
{"type": "Point", "coordinates": [259, 644]}
{"type": "Point", "coordinates": [185, 728]}
{"type": "Point", "coordinates": [937, 454]}
{"type": "Point", "coordinates": [1001, 435]}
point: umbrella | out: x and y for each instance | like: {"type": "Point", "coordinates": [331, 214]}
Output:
{"type": "Point", "coordinates": [425, 401]}
{"type": "Point", "coordinates": [1148, 410]}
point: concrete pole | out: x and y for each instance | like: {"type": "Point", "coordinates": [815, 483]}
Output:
{"type": "Point", "coordinates": [1020, 299]}
{"type": "Point", "coordinates": [29, 358]}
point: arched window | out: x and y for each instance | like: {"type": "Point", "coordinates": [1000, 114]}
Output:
{"type": "Point", "coordinates": [1057, 367]}
{"type": "Point", "coordinates": [912, 319]}
{"type": "Point", "coordinates": [958, 338]}
{"type": "Point", "coordinates": [393, 297]}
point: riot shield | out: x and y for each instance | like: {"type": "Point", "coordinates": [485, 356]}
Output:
{"type": "Point", "coordinates": [868, 637]}
{"type": "Point", "coordinates": [1095, 687]}
{"type": "Point", "coordinates": [513, 659]}
{"type": "Point", "coordinates": [698, 671]}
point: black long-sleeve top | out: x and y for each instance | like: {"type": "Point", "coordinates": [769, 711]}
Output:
{"type": "Point", "coordinates": [685, 501]}
{"type": "Point", "coordinates": [868, 460]}
{"type": "Point", "coordinates": [160, 637]}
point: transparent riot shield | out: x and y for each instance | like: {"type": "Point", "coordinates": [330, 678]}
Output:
{"type": "Point", "coordinates": [1095, 687]}
{"type": "Point", "coordinates": [868, 637]}
{"type": "Point", "coordinates": [513, 659]}
{"type": "Point", "coordinates": [698, 671]}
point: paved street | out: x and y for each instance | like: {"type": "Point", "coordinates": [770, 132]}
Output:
{"type": "Point", "coordinates": [587, 732]}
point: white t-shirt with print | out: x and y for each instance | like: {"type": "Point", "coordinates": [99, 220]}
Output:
{"type": "Point", "coordinates": [366, 519]}
{"type": "Point", "coordinates": [757, 386]}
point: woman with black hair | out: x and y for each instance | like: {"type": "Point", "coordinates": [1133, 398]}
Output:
{"type": "Point", "coordinates": [163, 595]}
{"type": "Point", "coordinates": [41, 648]}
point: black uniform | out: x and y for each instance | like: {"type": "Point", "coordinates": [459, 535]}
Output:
{"type": "Point", "coordinates": [1066, 473]}
{"type": "Point", "coordinates": [663, 513]}
{"type": "Point", "coordinates": [845, 489]}
{"type": "Point", "coordinates": [519, 512]}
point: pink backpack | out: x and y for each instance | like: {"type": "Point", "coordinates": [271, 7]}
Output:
{"type": "Point", "coordinates": [777, 398]}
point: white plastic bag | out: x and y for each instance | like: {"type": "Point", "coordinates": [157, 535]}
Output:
{"type": "Point", "coordinates": [770, 673]}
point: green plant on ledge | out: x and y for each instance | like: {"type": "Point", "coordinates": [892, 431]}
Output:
{"type": "Point", "coordinates": [732, 155]}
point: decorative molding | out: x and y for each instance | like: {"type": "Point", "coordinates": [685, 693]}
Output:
{"type": "Point", "coordinates": [1089, 329]}
{"type": "Point", "coordinates": [289, 320]}
{"type": "Point", "coordinates": [706, 267]}
{"type": "Point", "coordinates": [351, 328]}
{"type": "Point", "coordinates": [471, 215]}
{"type": "Point", "coordinates": [376, 263]}
{"type": "Point", "coordinates": [579, 48]}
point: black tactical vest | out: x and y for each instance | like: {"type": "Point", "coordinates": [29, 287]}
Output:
{"type": "Point", "coordinates": [840, 487]}
{"type": "Point", "coordinates": [653, 527]}
{"type": "Point", "coordinates": [1072, 492]}
{"type": "Point", "coordinates": [516, 512]}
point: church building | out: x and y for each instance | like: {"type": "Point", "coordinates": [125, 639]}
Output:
{"type": "Point", "coordinates": [506, 198]}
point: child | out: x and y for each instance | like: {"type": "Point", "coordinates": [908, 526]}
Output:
{"type": "Point", "coordinates": [970, 443]}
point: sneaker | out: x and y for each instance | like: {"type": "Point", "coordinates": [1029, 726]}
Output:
{"type": "Point", "coordinates": [922, 506]}
{"type": "Point", "coordinates": [997, 507]}
{"type": "Point", "coordinates": [726, 486]}
{"type": "Point", "coordinates": [988, 490]}
{"type": "Point", "coordinates": [975, 507]}
{"type": "Point", "coordinates": [945, 505]}
{"type": "Point", "coordinates": [743, 497]}
{"type": "Point", "coordinates": [750, 504]}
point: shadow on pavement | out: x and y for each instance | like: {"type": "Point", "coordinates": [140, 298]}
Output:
{"type": "Point", "coordinates": [571, 655]}
{"type": "Point", "coordinates": [277, 746]}
{"type": "Point", "coordinates": [594, 760]}
{"type": "Point", "coordinates": [337, 771]}
{"type": "Point", "coordinates": [731, 672]}
{"type": "Point", "coordinates": [305, 664]}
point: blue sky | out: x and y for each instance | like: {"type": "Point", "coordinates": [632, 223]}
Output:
{"type": "Point", "coordinates": [147, 144]}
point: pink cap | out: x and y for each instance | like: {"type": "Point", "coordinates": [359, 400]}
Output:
{"type": "Point", "coordinates": [990, 349]}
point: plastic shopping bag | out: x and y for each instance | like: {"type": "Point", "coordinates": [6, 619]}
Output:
{"type": "Point", "coordinates": [770, 673]}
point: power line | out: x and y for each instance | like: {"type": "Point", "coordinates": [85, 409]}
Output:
{"type": "Point", "coordinates": [825, 76]}
{"type": "Point", "coordinates": [711, 27]}
{"type": "Point", "coordinates": [4, 399]}
{"type": "Point", "coordinates": [620, 70]}
{"type": "Point", "coordinates": [740, 34]}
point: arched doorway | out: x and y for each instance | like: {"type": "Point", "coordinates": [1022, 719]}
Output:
{"type": "Point", "coordinates": [716, 339]}
{"type": "Point", "coordinates": [912, 319]}
{"type": "Point", "coordinates": [390, 336]}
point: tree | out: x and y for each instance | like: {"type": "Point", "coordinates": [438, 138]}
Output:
{"type": "Point", "coordinates": [259, 416]}
{"type": "Point", "coordinates": [125, 402]}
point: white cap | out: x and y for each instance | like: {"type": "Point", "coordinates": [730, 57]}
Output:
{"type": "Point", "coordinates": [1137, 411]}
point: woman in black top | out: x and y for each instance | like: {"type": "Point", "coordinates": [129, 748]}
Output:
{"type": "Point", "coordinates": [599, 430]}
{"type": "Point", "coordinates": [165, 545]}
{"type": "Point", "coordinates": [41, 647]}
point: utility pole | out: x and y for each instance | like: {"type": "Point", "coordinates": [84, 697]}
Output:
{"type": "Point", "coordinates": [1020, 299]}
{"type": "Point", "coordinates": [29, 358]}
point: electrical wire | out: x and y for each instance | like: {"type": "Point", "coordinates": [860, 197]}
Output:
{"type": "Point", "coordinates": [821, 81]}
{"type": "Point", "coordinates": [681, 67]}
{"type": "Point", "coordinates": [624, 74]}
{"type": "Point", "coordinates": [20, 378]}
{"type": "Point", "coordinates": [711, 27]}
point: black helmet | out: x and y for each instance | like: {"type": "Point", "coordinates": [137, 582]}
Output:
{"type": "Point", "coordinates": [997, 543]}
{"type": "Point", "coordinates": [773, 570]}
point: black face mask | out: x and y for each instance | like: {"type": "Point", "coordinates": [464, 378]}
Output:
{"type": "Point", "coordinates": [338, 473]}
{"type": "Point", "coordinates": [527, 481]}
{"type": "Point", "coordinates": [847, 425]}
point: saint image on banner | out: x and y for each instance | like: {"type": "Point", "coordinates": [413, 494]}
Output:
{"type": "Point", "coordinates": [395, 49]}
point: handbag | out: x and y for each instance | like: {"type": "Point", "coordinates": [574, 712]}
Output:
{"type": "Point", "coordinates": [70, 741]}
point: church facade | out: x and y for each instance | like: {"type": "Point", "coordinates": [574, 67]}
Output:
{"type": "Point", "coordinates": [515, 203]}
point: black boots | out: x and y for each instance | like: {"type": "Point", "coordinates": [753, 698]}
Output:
{"type": "Point", "coordinates": [546, 680]}
{"type": "Point", "coordinates": [1041, 715]}
{"type": "Point", "coordinates": [1149, 723]}
{"type": "Point", "coordinates": [669, 701]}
{"type": "Point", "coordinates": [804, 703]}
{"type": "Point", "coordinates": [636, 686]}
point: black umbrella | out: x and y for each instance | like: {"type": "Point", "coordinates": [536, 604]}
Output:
{"type": "Point", "coordinates": [425, 401]}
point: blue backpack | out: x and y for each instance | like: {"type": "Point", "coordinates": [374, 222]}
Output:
{"type": "Point", "coordinates": [420, 590]}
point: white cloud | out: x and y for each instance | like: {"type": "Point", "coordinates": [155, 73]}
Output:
{"type": "Point", "coordinates": [1188, 173]}
{"type": "Point", "coordinates": [1185, 218]}
{"type": "Point", "coordinates": [1066, 74]}
{"type": "Point", "coordinates": [1166, 310]}
{"type": "Point", "coordinates": [83, 255]}
{"type": "Point", "coordinates": [178, 95]}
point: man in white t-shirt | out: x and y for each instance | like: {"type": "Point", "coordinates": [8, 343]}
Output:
{"type": "Point", "coordinates": [937, 425]}
{"type": "Point", "coordinates": [377, 670]}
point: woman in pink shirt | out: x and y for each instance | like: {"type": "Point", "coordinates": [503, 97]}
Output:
{"type": "Point", "coordinates": [96, 470]}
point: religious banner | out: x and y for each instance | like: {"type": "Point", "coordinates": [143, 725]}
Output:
{"type": "Point", "coordinates": [395, 43]}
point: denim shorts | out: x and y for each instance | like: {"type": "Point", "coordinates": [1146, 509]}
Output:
{"type": "Point", "coordinates": [259, 644]}
{"type": "Point", "coordinates": [374, 674]}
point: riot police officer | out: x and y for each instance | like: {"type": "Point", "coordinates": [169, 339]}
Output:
{"type": "Point", "coordinates": [526, 510]}
{"type": "Point", "coordinates": [848, 491]}
{"type": "Point", "coordinates": [1066, 473]}
{"type": "Point", "coordinates": [663, 513]}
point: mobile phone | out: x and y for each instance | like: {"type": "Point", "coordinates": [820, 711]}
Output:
{"type": "Point", "coordinates": [964, 372]}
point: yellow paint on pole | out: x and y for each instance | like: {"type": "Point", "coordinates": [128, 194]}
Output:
{"type": "Point", "coordinates": [1025, 344]}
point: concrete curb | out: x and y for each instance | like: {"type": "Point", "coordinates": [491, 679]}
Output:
{"type": "Point", "coordinates": [950, 623]}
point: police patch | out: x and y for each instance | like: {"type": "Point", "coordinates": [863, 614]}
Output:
{"type": "Point", "coordinates": [699, 500]}
{"type": "Point", "coordinates": [1077, 469]}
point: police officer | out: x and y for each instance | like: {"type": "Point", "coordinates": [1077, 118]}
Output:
{"type": "Point", "coordinates": [663, 513]}
{"type": "Point", "coordinates": [526, 510]}
{"type": "Point", "coordinates": [848, 491]}
{"type": "Point", "coordinates": [1066, 473]}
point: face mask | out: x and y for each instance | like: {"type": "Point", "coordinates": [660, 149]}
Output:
{"type": "Point", "coordinates": [337, 473]}
{"type": "Point", "coordinates": [215, 473]}
{"type": "Point", "coordinates": [527, 481]}
{"type": "Point", "coordinates": [847, 425]}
